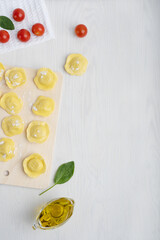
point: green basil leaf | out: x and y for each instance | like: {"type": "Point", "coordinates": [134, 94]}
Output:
{"type": "Point", "coordinates": [64, 173]}
{"type": "Point", "coordinates": [6, 23]}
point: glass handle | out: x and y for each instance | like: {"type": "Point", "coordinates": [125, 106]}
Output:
{"type": "Point", "coordinates": [35, 226]}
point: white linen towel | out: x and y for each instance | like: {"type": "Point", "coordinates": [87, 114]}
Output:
{"type": "Point", "coordinates": [35, 12]}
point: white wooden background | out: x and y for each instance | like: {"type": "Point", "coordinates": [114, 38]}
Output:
{"type": "Point", "coordinates": [109, 124]}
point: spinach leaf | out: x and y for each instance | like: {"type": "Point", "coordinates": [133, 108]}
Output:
{"type": "Point", "coordinates": [6, 23]}
{"type": "Point", "coordinates": [63, 174]}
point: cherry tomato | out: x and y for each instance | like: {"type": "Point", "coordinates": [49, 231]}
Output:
{"type": "Point", "coordinates": [23, 35]}
{"type": "Point", "coordinates": [4, 36]}
{"type": "Point", "coordinates": [38, 29]}
{"type": "Point", "coordinates": [81, 30]}
{"type": "Point", "coordinates": [18, 14]}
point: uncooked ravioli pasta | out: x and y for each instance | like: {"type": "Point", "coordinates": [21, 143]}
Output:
{"type": "Point", "coordinates": [76, 64]}
{"type": "Point", "coordinates": [7, 149]}
{"type": "Point", "coordinates": [43, 106]}
{"type": "Point", "coordinates": [15, 77]}
{"type": "Point", "coordinates": [34, 165]}
{"type": "Point", "coordinates": [37, 131]}
{"type": "Point", "coordinates": [1, 71]}
{"type": "Point", "coordinates": [45, 79]}
{"type": "Point", "coordinates": [12, 125]}
{"type": "Point", "coordinates": [11, 103]}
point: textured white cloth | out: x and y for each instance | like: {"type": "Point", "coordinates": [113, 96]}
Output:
{"type": "Point", "coordinates": [35, 12]}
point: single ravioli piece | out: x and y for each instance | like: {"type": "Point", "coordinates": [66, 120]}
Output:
{"type": "Point", "coordinates": [43, 106]}
{"type": "Point", "coordinates": [12, 125]}
{"type": "Point", "coordinates": [7, 149]}
{"type": "Point", "coordinates": [37, 131]}
{"type": "Point", "coordinates": [2, 68]}
{"type": "Point", "coordinates": [45, 79]}
{"type": "Point", "coordinates": [76, 64]}
{"type": "Point", "coordinates": [15, 77]}
{"type": "Point", "coordinates": [11, 103]}
{"type": "Point", "coordinates": [34, 165]}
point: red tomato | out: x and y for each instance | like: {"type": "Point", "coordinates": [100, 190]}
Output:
{"type": "Point", "coordinates": [4, 36]}
{"type": "Point", "coordinates": [38, 29]}
{"type": "Point", "coordinates": [18, 14]}
{"type": "Point", "coordinates": [23, 35]}
{"type": "Point", "coordinates": [81, 30]}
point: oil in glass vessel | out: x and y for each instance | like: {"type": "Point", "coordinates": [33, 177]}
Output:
{"type": "Point", "coordinates": [54, 213]}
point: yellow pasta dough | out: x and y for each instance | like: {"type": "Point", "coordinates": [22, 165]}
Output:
{"type": "Point", "coordinates": [12, 125]}
{"type": "Point", "coordinates": [37, 132]}
{"type": "Point", "coordinates": [1, 71]}
{"type": "Point", "coordinates": [45, 79]}
{"type": "Point", "coordinates": [11, 103]}
{"type": "Point", "coordinates": [76, 64]}
{"type": "Point", "coordinates": [34, 165]}
{"type": "Point", "coordinates": [7, 149]}
{"type": "Point", "coordinates": [15, 77]}
{"type": "Point", "coordinates": [43, 106]}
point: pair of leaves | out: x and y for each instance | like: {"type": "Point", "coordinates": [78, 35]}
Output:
{"type": "Point", "coordinates": [63, 174]}
{"type": "Point", "coordinates": [6, 23]}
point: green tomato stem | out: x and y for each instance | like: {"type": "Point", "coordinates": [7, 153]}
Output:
{"type": "Point", "coordinates": [47, 189]}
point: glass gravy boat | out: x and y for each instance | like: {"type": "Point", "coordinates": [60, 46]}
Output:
{"type": "Point", "coordinates": [54, 213]}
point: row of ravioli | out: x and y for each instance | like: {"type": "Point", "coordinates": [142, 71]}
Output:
{"type": "Point", "coordinates": [37, 131]}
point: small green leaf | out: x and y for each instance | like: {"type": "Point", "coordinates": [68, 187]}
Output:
{"type": "Point", "coordinates": [63, 174]}
{"type": "Point", "coordinates": [6, 23]}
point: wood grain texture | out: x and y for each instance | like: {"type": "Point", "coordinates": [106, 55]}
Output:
{"type": "Point", "coordinates": [109, 124]}
{"type": "Point", "coordinates": [23, 148]}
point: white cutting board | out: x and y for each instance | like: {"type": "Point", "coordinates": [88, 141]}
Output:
{"type": "Point", "coordinates": [29, 93]}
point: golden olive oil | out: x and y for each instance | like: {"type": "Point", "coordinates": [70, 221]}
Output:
{"type": "Point", "coordinates": [55, 213]}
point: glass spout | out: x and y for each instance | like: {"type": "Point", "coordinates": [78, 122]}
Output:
{"type": "Point", "coordinates": [35, 226]}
